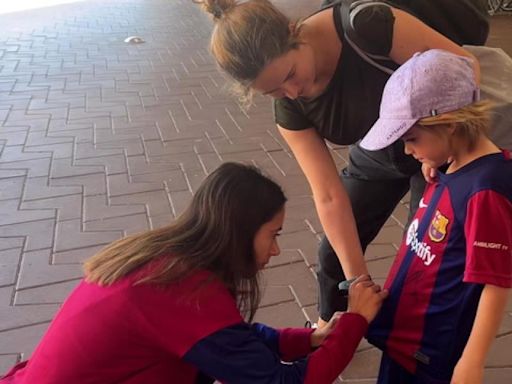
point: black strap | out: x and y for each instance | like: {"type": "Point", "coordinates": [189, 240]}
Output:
{"type": "Point", "coordinates": [347, 6]}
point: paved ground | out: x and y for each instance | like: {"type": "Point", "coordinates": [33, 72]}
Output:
{"type": "Point", "coordinates": [99, 139]}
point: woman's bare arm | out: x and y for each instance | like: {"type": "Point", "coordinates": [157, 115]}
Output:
{"type": "Point", "coordinates": [407, 43]}
{"type": "Point", "coordinates": [331, 199]}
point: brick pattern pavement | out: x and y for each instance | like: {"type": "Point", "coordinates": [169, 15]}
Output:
{"type": "Point", "coordinates": [99, 139]}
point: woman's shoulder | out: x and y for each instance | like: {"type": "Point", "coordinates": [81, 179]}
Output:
{"type": "Point", "coordinates": [198, 295]}
{"type": "Point", "coordinates": [373, 24]}
{"type": "Point", "coordinates": [321, 26]}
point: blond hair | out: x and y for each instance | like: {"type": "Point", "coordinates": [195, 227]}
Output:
{"type": "Point", "coordinates": [247, 36]}
{"type": "Point", "coordinates": [470, 122]}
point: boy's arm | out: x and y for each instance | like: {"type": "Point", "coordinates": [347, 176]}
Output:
{"type": "Point", "coordinates": [491, 307]}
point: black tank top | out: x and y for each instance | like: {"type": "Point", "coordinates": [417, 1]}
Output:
{"type": "Point", "coordinates": [349, 106]}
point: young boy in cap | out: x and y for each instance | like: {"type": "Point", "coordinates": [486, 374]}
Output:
{"type": "Point", "coordinates": [449, 284]}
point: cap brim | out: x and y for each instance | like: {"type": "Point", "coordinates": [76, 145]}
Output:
{"type": "Point", "coordinates": [385, 132]}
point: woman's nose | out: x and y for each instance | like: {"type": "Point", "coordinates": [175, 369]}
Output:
{"type": "Point", "coordinates": [275, 249]}
{"type": "Point", "coordinates": [291, 91]}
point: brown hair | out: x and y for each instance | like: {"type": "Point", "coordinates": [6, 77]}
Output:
{"type": "Point", "coordinates": [470, 121]}
{"type": "Point", "coordinates": [247, 36]}
{"type": "Point", "coordinates": [215, 233]}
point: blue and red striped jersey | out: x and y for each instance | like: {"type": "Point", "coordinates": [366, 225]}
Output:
{"type": "Point", "coordinates": [459, 240]}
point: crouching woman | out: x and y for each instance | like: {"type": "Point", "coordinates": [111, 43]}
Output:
{"type": "Point", "coordinates": [175, 304]}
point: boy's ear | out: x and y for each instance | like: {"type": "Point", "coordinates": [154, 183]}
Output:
{"type": "Point", "coordinates": [451, 127]}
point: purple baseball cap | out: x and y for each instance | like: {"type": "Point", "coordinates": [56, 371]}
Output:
{"type": "Point", "coordinates": [428, 84]}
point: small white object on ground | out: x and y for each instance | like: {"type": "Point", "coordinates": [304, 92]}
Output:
{"type": "Point", "coordinates": [134, 40]}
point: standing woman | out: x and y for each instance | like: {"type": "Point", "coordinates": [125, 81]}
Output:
{"type": "Point", "coordinates": [324, 90]}
{"type": "Point", "coordinates": [166, 305]}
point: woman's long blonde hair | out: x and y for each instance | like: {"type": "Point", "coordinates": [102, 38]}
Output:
{"type": "Point", "coordinates": [215, 233]}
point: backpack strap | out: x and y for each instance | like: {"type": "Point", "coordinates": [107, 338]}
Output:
{"type": "Point", "coordinates": [349, 10]}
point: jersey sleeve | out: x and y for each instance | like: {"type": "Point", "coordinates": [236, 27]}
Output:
{"type": "Point", "coordinates": [243, 354]}
{"type": "Point", "coordinates": [488, 230]}
{"type": "Point", "coordinates": [294, 343]}
{"type": "Point", "coordinates": [237, 354]}
{"type": "Point", "coordinates": [290, 343]}
{"type": "Point", "coordinates": [373, 24]}
{"type": "Point", "coordinates": [331, 358]}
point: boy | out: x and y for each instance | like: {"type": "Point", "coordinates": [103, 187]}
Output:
{"type": "Point", "coordinates": [450, 281]}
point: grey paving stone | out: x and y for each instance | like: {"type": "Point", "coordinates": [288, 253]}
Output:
{"type": "Point", "coordinates": [54, 293]}
{"type": "Point", "coordinates": [11, 242]}
{"type": "Point", "coordinates": [305, 241]}
{"type": "Point", "coordinates": [25, 338]}
{"type": "Point", "coordinates": [378, 251]}
{"type": "Point", "coordinates": [119, 185]}
{"type": "Point", "coordinates": [62, 168]}
{"type": "Point", "coordinates": [68, 207]}
{"type": "Point", "coordinates": [286, 257]}
{"type": "Point", "coordinates": [98, 208]}
{"type": "Point", "coordinates": [378, 268]}
{"type": "Point", "coordinates": [273, 295]}
{"type": "Point", "coordinates": [75, 256]}
{"type": "Point", "coordinates": [90, 184]}
{"type": "Point", "coordinates": [70, 235]}
{"type": "Point", "coordinates": [13, 317]}
{"type": "Point", "coordinates": [113, 164]}
{"type": "Point", "coordinates": [7, 361]}
{"type": "Point", "coordinates": [41, 188]}
{"type": "Point", "coordinates": [128, 224]}
{"type": "Point", "coordinates": [37, 270]}
{"type": "Point", "coordinates": [140, 164]}
{"type": "Point", "coordinates": [179, 201]}
{"type": "Point", "coordinates": [9, 264]}
{"type": "Point", "coordinates": [281, 315]}
{"type": "Point", "coordinates": [501, 375]}
{"type": "Point", "coordinates": [88, 149]}
{"type": "Point", "coordinates": [10, 213]}
{"type": "Point", "coordinates": [19, 152]}
{"type": "Point", "coordinates": [36, 234]}
{"type": "Point", "coordinates": [296, 275]}
{"type": "Point", "coordinates": [11, 187]}
{"type": "Point", "coordinates": [33, 168]}
{"type": "Point", "coordinates": [156, 202]}
{"type": "Point", "coordinates": [363, 366]}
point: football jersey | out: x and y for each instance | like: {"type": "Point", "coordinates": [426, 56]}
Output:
{"type": "Point", "coordinates": [459, 240]}
{"type": "Point", "coordinates": [129, 333]}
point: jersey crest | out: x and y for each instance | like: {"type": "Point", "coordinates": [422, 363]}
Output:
{"type": "Point", "coordinates": [438, 226]}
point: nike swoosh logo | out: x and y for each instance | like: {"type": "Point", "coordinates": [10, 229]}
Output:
{"type": "Point", "coordinates": [422, 204]}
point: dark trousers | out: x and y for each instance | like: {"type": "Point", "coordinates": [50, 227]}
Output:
{"type": "Point", "coordinates": [375, 182]}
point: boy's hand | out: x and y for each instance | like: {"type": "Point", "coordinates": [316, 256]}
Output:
{"type": "Point", "coordinates": [318, 336]}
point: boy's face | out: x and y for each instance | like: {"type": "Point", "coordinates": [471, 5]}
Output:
{"type": "Point", "coordinates": [429, 146]}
